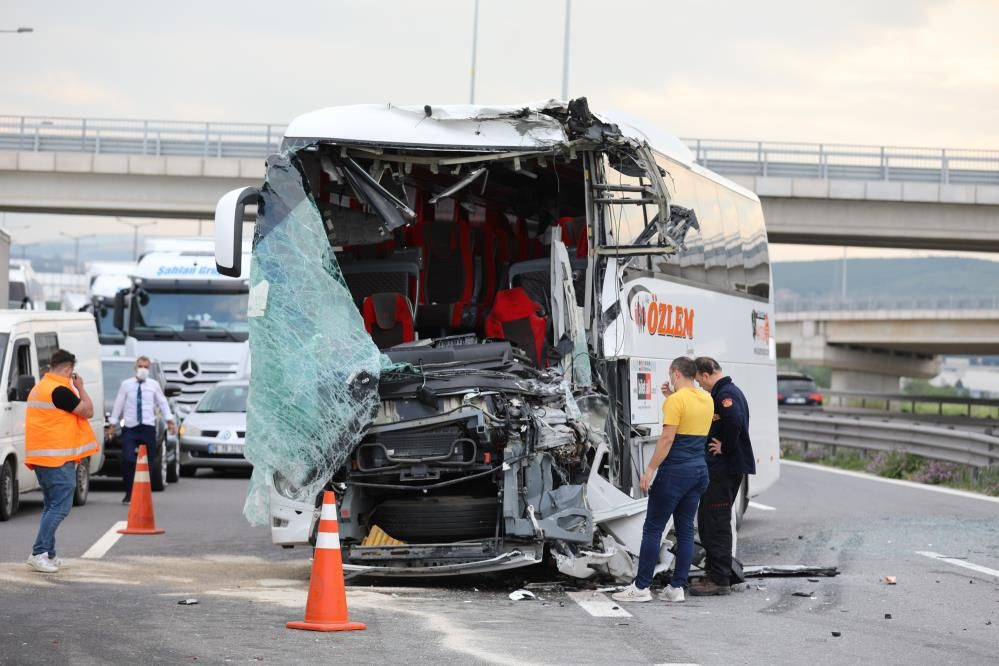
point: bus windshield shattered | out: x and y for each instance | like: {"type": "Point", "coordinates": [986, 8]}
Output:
{"type": "Point", "coordinates": [437, 334]}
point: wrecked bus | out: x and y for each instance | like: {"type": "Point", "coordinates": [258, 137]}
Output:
{"type": "Point", "coordinates": [460, 318]}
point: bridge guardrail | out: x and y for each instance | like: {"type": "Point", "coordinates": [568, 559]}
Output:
{"type": "Point", "coordinates": [847, 162]}
{"type": "Point", "coordinates": [729, 157]}
{"type": "Point", "coordinates": [139, 137]}
{"type": "Point", "coordinates": [874, 304]}
{"type": "Point", "coordinates": [880, 434]}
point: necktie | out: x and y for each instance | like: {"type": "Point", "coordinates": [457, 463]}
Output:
{"type": "Point", "coordinates": [138, 403]}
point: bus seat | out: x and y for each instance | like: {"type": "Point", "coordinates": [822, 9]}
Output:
{"type": "Point", "coordinates": [535, 277]}
{"type": "Point", "coordinates": [365, 278]}
{"type": "Point", "coordinates": [519, 319]}
{"type": "Point", "coordinates": [388, 317]}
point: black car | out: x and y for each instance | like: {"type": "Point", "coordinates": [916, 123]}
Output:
{"type": "Point", "coordinates": [795, 389]}
{"type": "Point", "coordinates": [164, 459]}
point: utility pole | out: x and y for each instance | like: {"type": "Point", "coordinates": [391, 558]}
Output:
{"type": "Point", "coordinates": [475, 45]}
{"type": "Point", "coordinates": [76, 250]}
{"type": "Point", "coordinates": [135, 234]}
{"type": "Point", "coordinates": [565, 51]}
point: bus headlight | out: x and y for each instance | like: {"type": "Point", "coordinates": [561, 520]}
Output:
{"type": "Point", "coordinates": [286, 488]}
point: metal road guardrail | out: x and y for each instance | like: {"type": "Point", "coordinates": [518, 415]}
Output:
{"type": "Point", "coordinates": [884, 402]}
{"type": "Point", "coordinates": [847, 162]}
{"type": "Point", "coordinates": [734, 158]}
{"type": "Point", "coordinates": [873, 304]}
{"type": "Point", "coordinates": [138, 137]}
{"type": "Point", "coordinates": [931, 441]}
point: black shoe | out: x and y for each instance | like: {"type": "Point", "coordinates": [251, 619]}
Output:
{"type": "Point", "coordinates": [705, 587]}
{"type": "Point", "coordinates": [126, 499]}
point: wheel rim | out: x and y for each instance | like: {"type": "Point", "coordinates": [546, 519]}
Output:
{"type": "Point", "coordinates": [163, 463]}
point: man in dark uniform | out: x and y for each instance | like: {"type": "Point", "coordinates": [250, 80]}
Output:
{"type": "Point", "coordinates": [730, 458]}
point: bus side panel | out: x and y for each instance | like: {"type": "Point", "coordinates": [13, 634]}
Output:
{"type": "Point", "coordinates": [660, 320]}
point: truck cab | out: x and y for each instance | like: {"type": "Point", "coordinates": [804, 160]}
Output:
{"type": "Point", "coordinates": [178, 309]}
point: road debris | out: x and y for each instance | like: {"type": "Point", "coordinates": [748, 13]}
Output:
{"type": "Point", "coordinates": [837, 634]}
{"type": "Point", "coordinates": [802, 594]}
{"type": "Point", "coordinates": [188, 602]}
{"type": "Point", "coordinates": [788, 570]}
{"type": "Point", "coordinates": [890, 580]}
{"type": "Point", "coordinates": [522, 595]}
{"type": "Point", "coordinates": [887, 616]}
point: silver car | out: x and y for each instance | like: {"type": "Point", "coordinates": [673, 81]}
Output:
{"type": "Point", "coordinates": [214, 434]}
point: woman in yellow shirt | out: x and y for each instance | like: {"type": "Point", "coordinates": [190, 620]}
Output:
{"type": "Point", "coordinates": [675, 479]}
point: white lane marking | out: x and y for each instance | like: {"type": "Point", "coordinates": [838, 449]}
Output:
{"type": "Point", "coordinates": [762, 507]}
{"type": "Point", "coordinates": [598, 605]}
{"type": "Point", "coordinates": [958, 563]}
{"type": "Point", "coordinates": [103, 545]}
{"type": "Point", "coordinates": [895, 482]}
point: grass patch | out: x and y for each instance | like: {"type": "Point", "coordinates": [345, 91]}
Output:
{"type": "Point", "coordinates": [899, 465]}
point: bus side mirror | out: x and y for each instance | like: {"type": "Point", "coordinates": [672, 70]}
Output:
{"type": "Point", "coordinates": [229, 229]}
{"type": "Point", "coordinates": [119, 311]}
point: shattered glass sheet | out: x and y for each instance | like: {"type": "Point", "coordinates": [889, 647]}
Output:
{"type": "Point", "coordinates": [315, 369]}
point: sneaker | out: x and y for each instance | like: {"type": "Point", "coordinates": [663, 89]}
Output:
{"type": "Point", "coordinates": [57, 561]}
{"type": "Point", "coordinates": [672, 594]}
{"type": "Point", "coordinates": [632, 593]}
{"type": "Point", "coordinates": [705, 587]}
{"type": "Point", "coordinates": [42, 564]}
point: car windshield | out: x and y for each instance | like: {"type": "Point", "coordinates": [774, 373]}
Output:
{"type": "Point", "coordinates": [195, 315]}
{"type": "Point", "coordinates": [796, 386]}
{"type": "Point", "coordinates": [224, 399]}
{"type": "Point", "coordinates": [115, 372]}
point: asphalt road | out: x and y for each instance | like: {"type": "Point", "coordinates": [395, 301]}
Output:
{"type": "Point", "coordinates": [123, 607]}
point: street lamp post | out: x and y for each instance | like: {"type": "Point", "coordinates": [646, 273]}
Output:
{"type": "Point", "coordinates": [76, 250]}
{"type": "Point", "coordinates": [565, 51]}
{"type": "Point", "coordinates": [135, 233]}
{"type": "Point", "coordinates": [475, 45]}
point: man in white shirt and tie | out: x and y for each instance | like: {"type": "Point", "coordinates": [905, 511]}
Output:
{"type": "Point", "coordinates": [137, 398]}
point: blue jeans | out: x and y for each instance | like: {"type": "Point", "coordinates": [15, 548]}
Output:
{"type": "Point", "coordinates": [58, 485]}
{"type": "Point", "coordinates": [675, 491]}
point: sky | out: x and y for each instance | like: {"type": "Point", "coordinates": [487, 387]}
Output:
{"type": "Point", "coordinates": [881, 72]}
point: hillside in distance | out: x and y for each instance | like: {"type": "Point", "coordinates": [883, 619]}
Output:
{"type": "Point", "coordinates": [887, 279]}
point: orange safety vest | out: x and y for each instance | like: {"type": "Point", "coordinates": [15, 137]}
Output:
{"type": "Point", "coordinates": [52, 436]}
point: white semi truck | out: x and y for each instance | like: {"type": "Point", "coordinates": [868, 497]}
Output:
{"type": "Point", "coordinates": [179, 310]}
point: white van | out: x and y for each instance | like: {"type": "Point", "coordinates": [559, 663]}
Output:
{"type": "Point", "coordinates": [27, 341]}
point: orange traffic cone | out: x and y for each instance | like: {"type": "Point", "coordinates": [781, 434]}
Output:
{"type": "Point", "coordinates": [140, 511]}
{"type": "Point", "coordinates": [326, 609]}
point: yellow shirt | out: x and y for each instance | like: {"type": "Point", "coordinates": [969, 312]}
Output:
{"type": "Point", "coordinates": [691, 411]}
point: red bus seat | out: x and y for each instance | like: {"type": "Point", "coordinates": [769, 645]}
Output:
{"type": "Point", "coordinates": [388, 317]}
{"type": "Point", "coordinates": [517, 318]}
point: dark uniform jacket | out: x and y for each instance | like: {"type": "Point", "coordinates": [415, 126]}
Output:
{"type": "Point", "coordinates": [731, 428]}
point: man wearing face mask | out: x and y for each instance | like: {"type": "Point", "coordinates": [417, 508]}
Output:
{"type": "Point", "coordinates": [137, 397]}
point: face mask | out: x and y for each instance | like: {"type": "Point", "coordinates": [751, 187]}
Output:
{"type": "Point", "coordinates": [141, 374]}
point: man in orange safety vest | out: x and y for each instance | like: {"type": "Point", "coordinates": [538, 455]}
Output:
{"type": "Point", "coordinates": [57, 436]}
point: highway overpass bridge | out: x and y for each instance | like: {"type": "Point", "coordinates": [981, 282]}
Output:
{"type": "Point", "coordinates": [812, 193]}
{"type": "Point", "coordinates": [871, 345]}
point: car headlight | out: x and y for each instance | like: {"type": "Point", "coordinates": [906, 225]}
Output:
{"type": "Point", "coordinates": [190, 431]}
